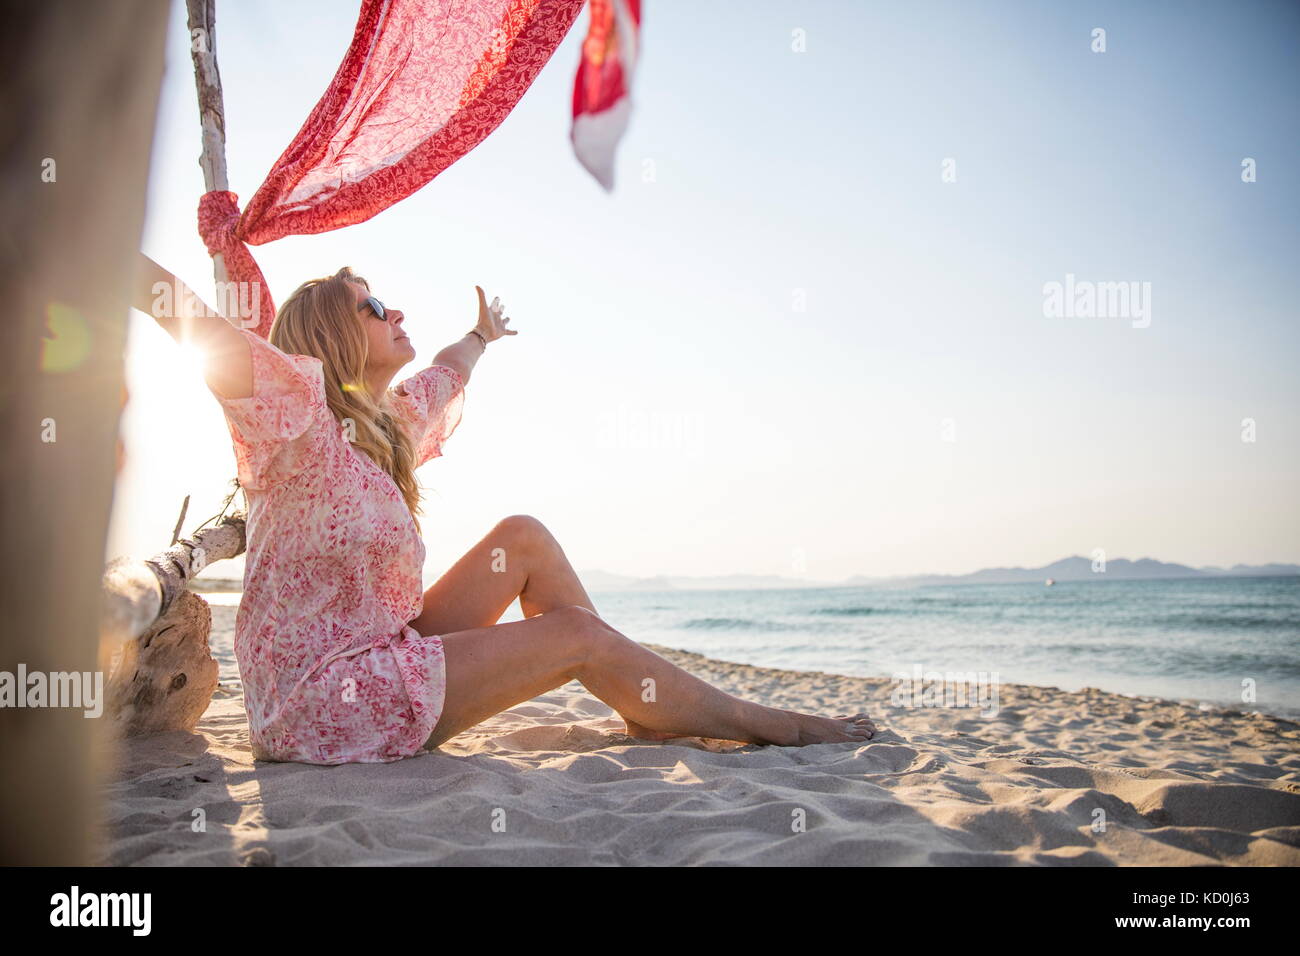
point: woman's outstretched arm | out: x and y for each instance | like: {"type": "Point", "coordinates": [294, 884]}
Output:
{"type": "Point", "coordinates": [464, 354]}
{"type": "Point", "coordinates": [227, 360]}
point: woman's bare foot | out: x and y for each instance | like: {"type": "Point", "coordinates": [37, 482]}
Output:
{"type": "Point", "coordinates": [812, 729]}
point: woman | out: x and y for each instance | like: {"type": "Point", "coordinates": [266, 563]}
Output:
{"type": "Point", "coordinates": [342, 657]}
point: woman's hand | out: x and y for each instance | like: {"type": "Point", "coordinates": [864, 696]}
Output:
{"type": "Point", "coordinates": [464, 355]}
{"type": "Point", "coordinates": [490, 324]}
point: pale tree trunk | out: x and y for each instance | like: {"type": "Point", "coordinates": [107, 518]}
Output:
{"type": "Point", "coordinates": [201, 18]}
{"type": "Point", "coordinates": [79, 101]}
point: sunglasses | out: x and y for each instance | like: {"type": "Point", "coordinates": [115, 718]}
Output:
{"type": "Point", "coordinates": [375, 306]}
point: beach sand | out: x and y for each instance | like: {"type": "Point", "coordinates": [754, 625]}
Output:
{"type": "Point", "coordinates": [554, 782]}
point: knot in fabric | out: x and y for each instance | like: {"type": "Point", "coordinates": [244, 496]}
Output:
{"type": "Point", "coordinates": [219, 221]}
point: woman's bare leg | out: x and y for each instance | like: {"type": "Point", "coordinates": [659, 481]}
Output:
{"type": "Point", "coordinates": [518, 558]}
{"type": "Point", "coordinates": [492, 669]}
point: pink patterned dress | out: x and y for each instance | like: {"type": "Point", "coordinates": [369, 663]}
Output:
{"type": "Point", "coordinates": [332, 670]}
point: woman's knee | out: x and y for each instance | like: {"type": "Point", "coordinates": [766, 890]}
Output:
{"type": "Point", "coordinates": [587, 635]}
{"type": "Point", "coordinates": [524, 534]}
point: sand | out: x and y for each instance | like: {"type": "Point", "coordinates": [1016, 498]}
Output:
{"type": "Point", "coordinates": [554, 782]}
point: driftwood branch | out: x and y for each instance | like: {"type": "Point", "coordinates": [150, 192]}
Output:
{"type": "Point", "coordinates": [212, 109]}
{"type": "Point", "coordinates": [137, 593]}
{"type": "Point", "coordinates": [166, 674]}
{"type": "Point", "coordinates": [165, 679]}
{"type": "Point", "coordinates": [180, 521]}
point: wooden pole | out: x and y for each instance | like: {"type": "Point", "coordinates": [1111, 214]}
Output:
{"type": "Point", "coordinates": [80, 105]}
{"type": "Point", "coordinates": [212, 110]}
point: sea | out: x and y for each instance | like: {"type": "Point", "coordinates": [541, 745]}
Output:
{"type": "Point", "coordinates": [1224, 642]}
{"type": "Point", "coordinates": [1230, 642]}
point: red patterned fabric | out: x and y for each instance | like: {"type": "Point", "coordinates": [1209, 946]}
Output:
{"type": "Point", "coordinates": [602, 90]}
{"type": "Point", "coordinates": [218, 223]}
{"type": "Point", "coordinates": [423, 83]}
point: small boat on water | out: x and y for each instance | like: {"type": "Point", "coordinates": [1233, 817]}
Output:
{"type": "Point", "coordinates": [1049, 582]}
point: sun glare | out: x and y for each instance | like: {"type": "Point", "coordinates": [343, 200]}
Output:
{"type": "Point", "coordinates": [189, 361]}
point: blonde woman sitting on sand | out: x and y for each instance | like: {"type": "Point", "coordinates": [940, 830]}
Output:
{"type": "Point", "coordinates": [343, 656]}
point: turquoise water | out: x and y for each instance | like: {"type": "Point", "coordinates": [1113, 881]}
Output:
{"type": "Point", "coordinates": [1195, 639]}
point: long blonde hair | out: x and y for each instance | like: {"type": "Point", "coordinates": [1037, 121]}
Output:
{"type": "Point", "coordinates": [320, 319]}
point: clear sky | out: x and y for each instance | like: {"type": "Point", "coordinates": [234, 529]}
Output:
{"type": "Point", "coordinates": [784, 344]}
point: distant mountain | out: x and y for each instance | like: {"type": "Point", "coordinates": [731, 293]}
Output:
{"type": "Point", "coordinates": [1074, 568]}
{"type": "Point", "coordinates": [1122, 569]}
{"type": "Point", "coordinates": [1256, 570]}
{"type": "Point", "coordinates": [1069, 569]}
{"type": "Point", "coordinates": [604, 581]}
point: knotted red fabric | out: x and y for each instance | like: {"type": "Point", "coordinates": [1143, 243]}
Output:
{"type": "Point", "coordinates": [218, 227]}
{"type": "Point", "coordinates": [422, 83]}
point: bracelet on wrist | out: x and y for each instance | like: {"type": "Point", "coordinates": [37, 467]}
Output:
{"type": "Point", "coordinates": [480, 337]}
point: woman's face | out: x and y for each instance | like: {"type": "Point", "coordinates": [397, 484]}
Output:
{"type": "Point", "coordinates": [390, 348]}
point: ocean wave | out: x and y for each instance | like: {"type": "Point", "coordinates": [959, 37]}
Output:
{"type": "Point", "coordinates": [1229, 621]}
{"type": "Point", "coordinates": [949, 602]}
{"type": "Point", "coordinates": [852, 611]}
{"type": "Point", "coordinates": [731, 624]}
